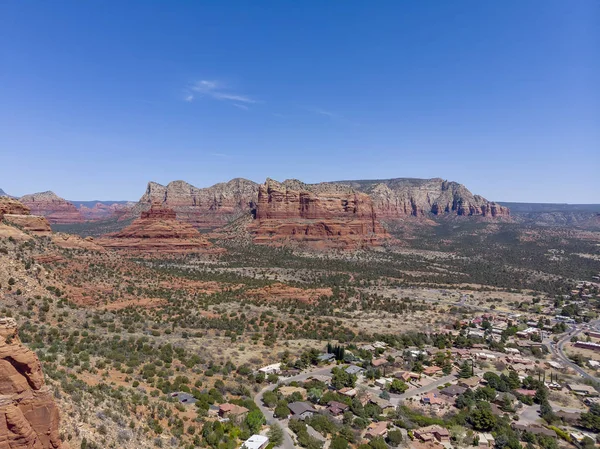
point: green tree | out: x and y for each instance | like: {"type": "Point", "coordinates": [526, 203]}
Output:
{"type": "Point", "coordinates": [282, 410]}
{"type": "Point", "coordinates": [591, 419]}
{"type": "Point", "coordinates": [254, 420]}
{"type": "Point", "coordinates": [481, 417]}
{"type": "Point", "coordinates": [394, 437]}
{"type": "Point", "coordinates": [465, 370]}
{"type": "Point", "coordinates": [275, 435]}
{"type": "Point", "coordinates": [378, 443]}
{"type": "Point", "coordinates": [397, 386]}
{"type": "Point", "coordinates": [269, 398]}
{"type": "Point", "coordinates": [339, 443]}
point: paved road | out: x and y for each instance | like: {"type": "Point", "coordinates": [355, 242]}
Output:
{"type": "Point", "coordinates": [558, 350]}
{"type": "Point", "coordinates": [288, 442]}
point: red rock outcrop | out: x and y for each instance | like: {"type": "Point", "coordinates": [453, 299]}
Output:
{"type": "Point", "coordinates": [205, 208]}
{"type": "Point", "coordinates": [29, 418]}
{"type": "Point", "coordinates": [15, 213]}
{"type": "Point", "coordinates": [157, 230]}
{"type": "Point", "coordinates": [57, 210]}
{"type": "Point", "coordinates": [11, 206]}
{"type": "Point", "coordinates": [319, 215]}
{"type": "Point", "coordinates": [32, 223]}
{"type": "Point", "coordinates": [69, 241]}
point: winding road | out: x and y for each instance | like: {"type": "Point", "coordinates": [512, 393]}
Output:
{"type": "Point", "coordinates": [558, 350]}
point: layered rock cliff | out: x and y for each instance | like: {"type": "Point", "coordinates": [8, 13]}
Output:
{"type": "Point", "coordinates": [403, 197]}
{"type": "Point", "coordinates": [29, 418]}
{"type": "Point", "coordinates": [54, 208]}
{"type": "Point", "coordinates": [157, 230]}
{"type": "Point", "coordinates": [204, 208]}
{"type": "Point", "coordinates": [320, 214]}
{"type": "Point", "coordinates": [11, 206]}
{"type": "Point", "coordinates": [14, 212]}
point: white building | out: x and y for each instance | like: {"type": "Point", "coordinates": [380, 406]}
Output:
{"type": "Point", "coordinates": [275, 368]}
{"type": "Point", "coordinates": [256, 442]}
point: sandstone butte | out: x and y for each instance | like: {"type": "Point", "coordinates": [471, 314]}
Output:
{"type": "Point", "coordinates": [318, 215]}
{"type": "Point", "coordinates": [29, 418]}
{"type": "Point", "coordinates": [57, 210]}
{"type": "Point", "coordinates": [205, 208]}
{"type": "Point", "coordinates": [157, 230]}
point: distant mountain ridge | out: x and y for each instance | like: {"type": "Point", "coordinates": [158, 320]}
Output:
{"type": "Point", "coordinates": [585, 216]}
{"type": "Point", "coordinates": [550, 207]}
{"type": "Point", "coordinates": [392, 199]}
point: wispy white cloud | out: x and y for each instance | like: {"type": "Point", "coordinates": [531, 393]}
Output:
{"type": "Point", "coordinates": [217, 91]}
{"type": "Point", "coordinates": [223, 155]}
{"type": "Point", "coordinates": [241, 106]}
{"type": "Point", "coordinates": [325, 113]}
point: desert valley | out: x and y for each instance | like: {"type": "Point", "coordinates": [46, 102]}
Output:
{"type": "Point", "coordinates": [365, 314]}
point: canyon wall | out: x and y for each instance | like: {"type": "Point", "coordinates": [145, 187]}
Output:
{"type": "Point", "coordinates": [57, 210]}
{"type": "Point", "coordinates": [327, 216]}
{"type": "Point", "coordinates": [204, 208]}
{"type": "Point", "coordinates": [29, 418]}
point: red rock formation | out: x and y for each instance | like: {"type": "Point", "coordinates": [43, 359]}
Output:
{"type": "Point", "coordinates": [54, 208]}
{"type": "Point", "coordinates": [205, 208]}
{"type": "Point", "coordinates": [15, 213]}
{"type": "Point", "coordinates": [29, 418]}
{"type": "Point", "coordinates": [32, 223]}
{"type": "Point", "coordinates": [157, 230]}
{"type": "Point", "coordinates": [11, 206]}
{"type": "Point", "coordinates": [325, 216]}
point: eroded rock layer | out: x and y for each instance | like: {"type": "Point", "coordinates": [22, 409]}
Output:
{"type": "Point", "coordinates": [57, 210]}
{"type": "Point", "coordinates": [29, 418]}
{"type": "Point", "coordinates": [16, 214]}
{"type": "Point", "coordinates": [204, 208]}
{"type": "Point", "coordinates": [157, 230]}
{"type": "Point", "coordinates": [325, 216]}
{"type": "Point", "coordinates": [403, 197]}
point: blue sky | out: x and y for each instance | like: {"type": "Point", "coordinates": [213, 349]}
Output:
{"type": "Point", "coordinates": [98, 98]}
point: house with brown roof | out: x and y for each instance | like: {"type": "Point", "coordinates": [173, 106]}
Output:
{"type": "Point", "coordinates": [433, 398]}
{"type": "Point", "coordinates": [453, 391]}
{"type": "Point", "coordinates": [471, 382]}
{"type": "Point", "coordinates": [347, 391]}
{"type": "Point", "coordinates": [431, 433]}
{"type": "Point", "coordinates": [406, 376]}
{"type": "Point", "coordinates": [233, 412]}
{"type": "Point", "coordinates": [377, 429]}
{"type": "Point", "coordinates": [432, 370]}
{"type": "Point", "coordinates": [525, 392]}
{"type": "Point", "coordinates": [385, 405]}
{"type": "Point", "coordinates": [379, 362]}
{"type": "Point", "coordinates": [337, 408]}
